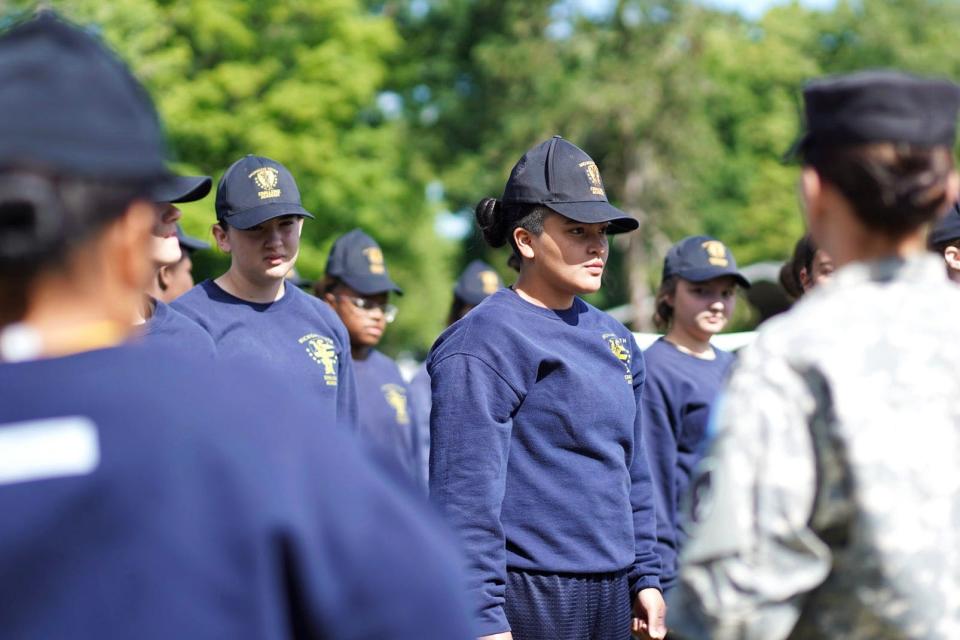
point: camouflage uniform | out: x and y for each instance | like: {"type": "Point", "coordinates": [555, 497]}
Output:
{"type": "Point", "coordinates": [829, 505]}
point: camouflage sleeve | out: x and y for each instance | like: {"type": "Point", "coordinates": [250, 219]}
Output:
{"type": "Point", "coordinates": [752, 557]}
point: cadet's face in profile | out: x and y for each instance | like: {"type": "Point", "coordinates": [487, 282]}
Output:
{"type": "Point", "coordinates": [178, 278]}
{"type": "Point", "coordinates": [570, 256]}
{"type": "Point", "coordinates": [165, 247]}
{"type": "Point", "coordinates": [265, 252]}
{"type": "Point", "coordinates": [702, 309]}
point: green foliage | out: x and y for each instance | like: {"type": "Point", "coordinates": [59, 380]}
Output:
{"type": "Point", "coordinates": [296, 81]}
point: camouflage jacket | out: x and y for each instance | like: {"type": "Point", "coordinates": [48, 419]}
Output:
{"type": "Point", "coordinates": [829, 504]}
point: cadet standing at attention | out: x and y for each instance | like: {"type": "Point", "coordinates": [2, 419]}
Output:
{"type": "Point", "coordinates": [684, 374]}
{"type": "Point", "coordinates": [159, 321]}
{"type": "Point", "coordinates": [250, 309]}
{"type": "Point", "coordinates": [145, 492]}
{"type": "Point", "coordinates": [357, 286]}
{"type": "Point", "coordinates": [944, 240]}
{"type": "Point", "coordinates": [830, 498]}
{"type": "Point", "coordinates": [477, 281]}
{"type": "Point", "coordinates": [537, 456]}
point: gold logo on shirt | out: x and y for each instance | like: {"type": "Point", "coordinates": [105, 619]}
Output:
{"type": "Point", "coordinates": [620, 350]}
{"type": "Point", "coordinates": [323, 351]}
{"type": "Point", "coordinates": [716, 253]}
{"type": "Point", "coordinates": [489, 281]}
{"type": "Point", "coordinates": [593, 176]}
{"type": "Point", "coordinates": [375, 260]}
{"type": "Point", "coordinates": [266, 178]}
{"type": "Point", "coordinates": [396, 397]}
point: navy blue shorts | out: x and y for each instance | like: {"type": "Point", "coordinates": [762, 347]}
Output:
{"type": "Point", "coordinates": [544, 606]}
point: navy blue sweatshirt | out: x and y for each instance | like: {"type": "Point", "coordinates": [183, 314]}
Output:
{"type": "Point", "coordinates": [536, 449]}
{"type": "Point", "coordinates": [176, 331]}
{"type": "Point", "coordinates": [152, 496]}
{"type": "Point", "coordinates": [420, 398]}
{"type": "Point", "coordinates": [299, 336]}
{"type": "Point", "coordinates": [386, 413]}
{"type": "Point", "coordinates": [677, 398]}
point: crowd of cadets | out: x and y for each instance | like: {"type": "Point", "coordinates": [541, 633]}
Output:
{"type": "Point", "coordinates": [561, 457]}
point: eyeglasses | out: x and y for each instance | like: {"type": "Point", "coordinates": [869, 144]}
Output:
{"type": "Point", "coordinates": [389, 311]}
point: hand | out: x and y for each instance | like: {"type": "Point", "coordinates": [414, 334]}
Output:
{"type": "Point", "coordinates": [650, 615]}
{"type": "Point", "coordinates": [506, 635]}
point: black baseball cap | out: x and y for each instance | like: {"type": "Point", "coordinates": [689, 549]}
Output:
{"type": "Point", "coordinates": [946, 228]}
{"type": "Point", "coordinates": [181, 189]}
{"type": "Point", "coordinates": [357, 260]}
{"type": "Point", "coordinates": [255, 189]}
{"type": "Point", "coordinates": [878, 106]}
{"type": "Point", "coordinates": [189, 243]}
{"type": "Point", "coordinates": [72, 107]}
{"type": "Point", "coordinates": [701, 258]}
{"type": "Point", "coordinates": [561, 176]}
{"type": "Point", "coordinates": [477, 282]}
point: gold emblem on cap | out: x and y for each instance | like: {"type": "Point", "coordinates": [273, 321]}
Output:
{"type": "Point", "coordinates": [593, 175]}
{"type": "Point", "coordinates": [716, 253]}
{"type": "Point", "coordinates": [266, 178]}
{"type": "Point", "coordinates": [489, 282]}
{"type": "Point", "coordinates": [375, 259]}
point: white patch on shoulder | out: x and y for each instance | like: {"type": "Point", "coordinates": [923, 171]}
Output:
{"type": "Point", "coordinates": [49, 448]}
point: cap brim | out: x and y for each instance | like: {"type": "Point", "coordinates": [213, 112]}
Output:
{"type": "Point", "coordinates": [371, 285]}
{"type": "Point", "coordinates": [257, 215]}
{"type": "Point", "coordinates": [175, 189]}
{"type": "Point", "coordinates": [797, 150]}
{"type": "Point", "coordinates": [193, 244]}
{"type": "Point", "coordinates": [594, 211]}
{"type": "Point", "coordinates": [702, 275]}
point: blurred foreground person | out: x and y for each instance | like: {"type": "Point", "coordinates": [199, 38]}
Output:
{"type": "Point", "coordinates": [685, 371]}
{"type": "Point", "coordinates": [146, 493]}
{"type": "Point", "coordinates": [828, 507]}
{"type": "Point", "coordinates": [252, 310]}
{"type": "Point", "coordinates": [944, 240]}
{"type": "Point", "coordinates": [477, 281]}
{"type": "Point", "coordinates": [176, 279]}
{"type": "Point", "coordinates": [357, 286]}
{"type": "Point", "coordinates": [537, 457]}
{"type": "Point", "coordinates": [807, 268]}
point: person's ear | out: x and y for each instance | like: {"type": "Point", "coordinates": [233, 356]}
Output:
{"type": "Point", "coordinates": [221, 237]}
{"type": "Point", "coordinates": [523, 240]}
{"type": "Point", "coordinates": [951, 255]}
{"type": "Point", "coordinates": [330, 298]}
{"type": "Point", "coordinates": [128, 241]}
{"type": "Point", "coordinates": [163, 278]}
{"type": "Point", "coordinates": [811, 195]}
{"type": "Point", "coordinates": [953, 187]}
{"type": "Point", "coordinates": [806, 282]}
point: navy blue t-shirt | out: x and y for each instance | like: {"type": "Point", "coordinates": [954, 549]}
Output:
{"type": "Point", "coordinates": [298, 335]}
{"type": "Point", "coordinates": [386, 414]}
{"type": "Point", "coordinates": [176, 331]}
{"type": "Point", "coordinates": [147, 495]}
{"type": "Point", "coordinates": [536, 449]}
{"type": "Point", "coordinates": [676, 409]}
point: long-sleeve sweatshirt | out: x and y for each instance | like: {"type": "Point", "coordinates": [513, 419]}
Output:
{"type": "Point", "coordinates": [537, 457]}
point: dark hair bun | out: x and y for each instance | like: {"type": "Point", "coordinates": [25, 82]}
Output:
{"type": "Point", "coordinates": [31, 219]}
{"type": "Point", "coordinates": [490, 219]}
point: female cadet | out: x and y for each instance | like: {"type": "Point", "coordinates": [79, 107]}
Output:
{"type": "Point", "coordinates": [477, 281]}
{"type": "Point", "coordinates": [684, 374]}
{"type": "Point", "coordinates": [144, 491]}
{"type": "Point", "coordinates": [357, 286]}
{"type": "Point", "coordinates": [537, 457]}
{"type": "Point", "coordinates": [833, 484]}
{"type": "Point", "coordinates": [249, 309]}
{"type": "Point", "coordinates": [807, 268]}
{"type": "Point", "coordinates": [159, 322]}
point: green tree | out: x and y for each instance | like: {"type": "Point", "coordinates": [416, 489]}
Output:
{"type": "Point", "coordinates": [297, 81]}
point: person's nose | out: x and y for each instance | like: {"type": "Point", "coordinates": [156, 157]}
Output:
{"type": "Point", "coordinates": [171, 215]}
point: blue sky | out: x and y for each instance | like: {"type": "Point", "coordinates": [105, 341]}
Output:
{"type": "Point", "coordinates": [749, 8]}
